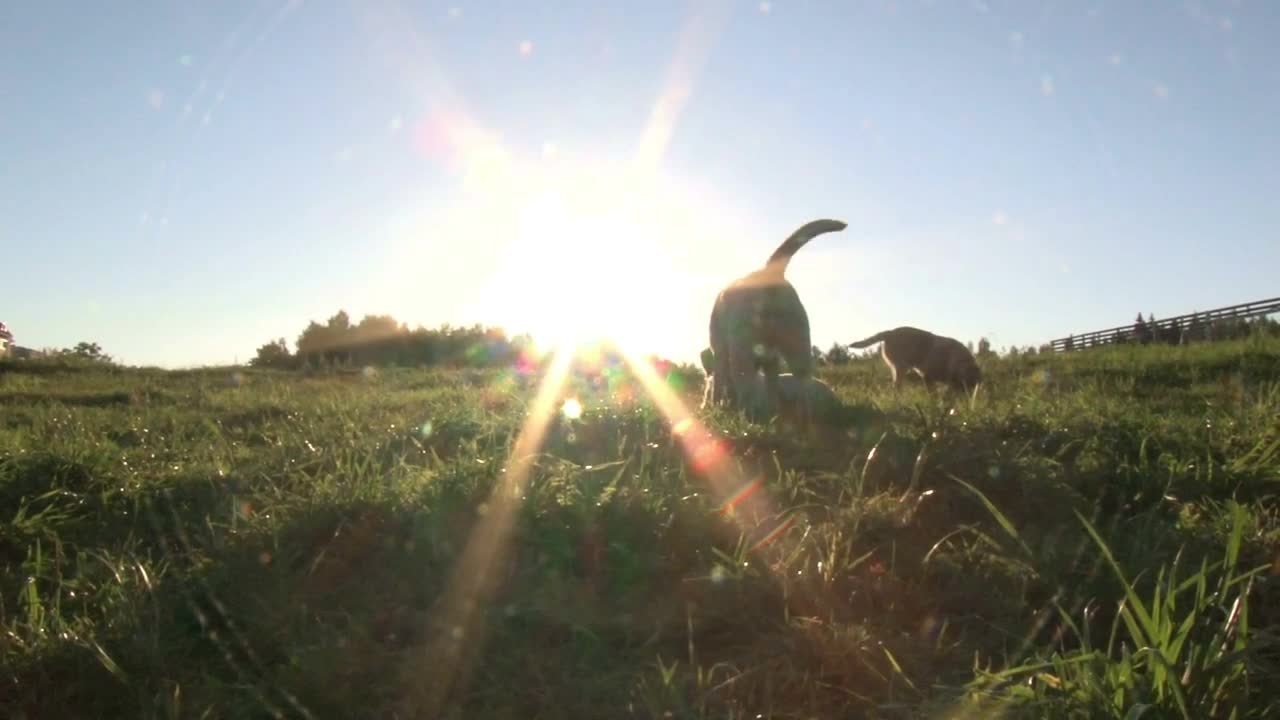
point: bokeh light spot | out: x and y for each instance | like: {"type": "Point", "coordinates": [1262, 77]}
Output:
{"type": "Point", "coordinates": [572, 409]}
{"type": "Point", "coordinates": [709, 454]}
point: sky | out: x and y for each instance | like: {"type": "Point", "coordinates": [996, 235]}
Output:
{"type": "Point", "coordinates": [183, 181]}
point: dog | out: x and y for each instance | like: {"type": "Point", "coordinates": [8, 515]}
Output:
{"type": "Point", "coordinates": [758, 321]}
{"type": "Point", "coordinates": [804, 400]}
{"type": "Point", "coordinates": [935, 358]}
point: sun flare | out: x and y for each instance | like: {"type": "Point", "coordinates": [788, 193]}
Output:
{"type": "Point", "coordinates": [586, 262]}
{"type": "Point", "coordinates": [574, 248]}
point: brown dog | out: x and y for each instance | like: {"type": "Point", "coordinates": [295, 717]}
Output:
{"type": "Point", "coordinates": [758, 320]}
{"type": "Point", "coordinates": [935, 358]}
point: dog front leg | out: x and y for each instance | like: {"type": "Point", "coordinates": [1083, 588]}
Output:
{"type": "Point", "coordinates": [772, 396]}
{"type": "Point", "coordinates": [742, 366]}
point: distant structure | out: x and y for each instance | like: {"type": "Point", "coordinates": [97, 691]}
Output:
{"type": "Point", "coordinates": [1211, 325]}
{"type": "Point", "coordinates": [10, 349]}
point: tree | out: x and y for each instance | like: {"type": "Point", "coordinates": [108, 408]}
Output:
{"type": "Point", "coordinates": [328, 343]}
{"type": "Point", "coordinates": [88, 351]}
{"type": "Point", "coordinates": [274, 354]}
{"type": "Point", "coordinates": [1194, 330]}
{"type": "Point", "coordinates": [340, 322]}
{"type": "Point", "coordinates": [984, 347]}
{"type": "Point", "coordinates": [382, 340]}
{"type": "Point", "coordinates": [838, 354]}
{"type": "Point", "coordinates": [1141, 332]}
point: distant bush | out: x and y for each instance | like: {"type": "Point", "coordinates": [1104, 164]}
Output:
{"type": "Point", "coordinates": [838, 354]}
{"type": "Point", "coordinates": [275, 355]}
{"type": "Point", "coordinates": [382, 341]}
{"type": "Point", "coordinates": [87, 351]}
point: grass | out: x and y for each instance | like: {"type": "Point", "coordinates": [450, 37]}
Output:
{"type": "Point", "coordinates": [1096, 536]}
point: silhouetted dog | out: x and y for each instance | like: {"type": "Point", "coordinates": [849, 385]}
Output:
{"type": "Point", "coordinates": [935, 358]}
{"type": "Point", "coordinates": [759, 320]}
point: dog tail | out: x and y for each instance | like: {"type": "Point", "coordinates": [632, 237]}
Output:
{"type": "Point", "coordinates": [871, 340]}
{"type": "Point", "coordinates": [810, 230]}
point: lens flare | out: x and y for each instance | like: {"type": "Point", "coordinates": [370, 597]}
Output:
{"type": "Point", "coordinates": [572, 409]}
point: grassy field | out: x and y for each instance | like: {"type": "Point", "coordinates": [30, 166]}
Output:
{"type": "Point", "coordinates": [1096, 537]}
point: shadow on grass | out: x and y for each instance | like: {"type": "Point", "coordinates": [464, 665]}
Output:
{"type": "Point", "coordinates": [311, 612]}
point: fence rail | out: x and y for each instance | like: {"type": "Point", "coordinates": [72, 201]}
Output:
{"type": "Point", "coordinates": [1194, 323]}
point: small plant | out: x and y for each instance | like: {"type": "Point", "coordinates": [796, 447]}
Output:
{"type": "Point", "coordinates": [1183, 652]}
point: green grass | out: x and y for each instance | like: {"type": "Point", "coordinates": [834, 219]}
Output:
{"type": "Point", "coordinates": [1097, 536]}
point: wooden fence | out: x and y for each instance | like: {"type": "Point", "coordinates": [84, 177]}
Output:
{"type": "Point", "coordinates": [1199, 325]}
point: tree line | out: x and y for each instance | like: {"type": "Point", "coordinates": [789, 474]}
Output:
{"type": "Point", "coordinates": [1195, 328]}
{"type": "Point", "coordinates": [381, 340]}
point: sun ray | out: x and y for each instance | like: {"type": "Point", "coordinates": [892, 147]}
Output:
{"type": "Point", "coordinates": [745, 500]}
{"type": "Point", "coordinates": [708, 452]}
{"type": "Point", "coordinates": [449, 133]}
{"type": "Point", "coordinates": [694, 45]}
{"type": "Point", "coordinates": [455, 640]}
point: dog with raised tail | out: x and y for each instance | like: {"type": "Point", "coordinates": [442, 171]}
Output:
{"type": "Point", "coordinates": [935, 358]}
{"type": "Point", "coordinates": [758, 321]}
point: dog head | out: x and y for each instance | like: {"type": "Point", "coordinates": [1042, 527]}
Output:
{"type": "Point", "coordinates": [965, 373]}
{"type": "Point", "coordinates": [708, 359]}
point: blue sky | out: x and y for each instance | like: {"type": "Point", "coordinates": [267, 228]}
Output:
{"type": "Point", "coordinates": [186, 180]}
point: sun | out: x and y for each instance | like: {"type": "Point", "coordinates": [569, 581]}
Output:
{"type": "Point", "coordinates": [575, 250]}
{"type": "Point", "coordinates": [587, 263]}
